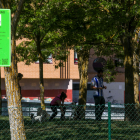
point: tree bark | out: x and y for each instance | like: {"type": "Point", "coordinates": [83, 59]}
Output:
{"type": "Point", "coordinates": [41, 84]}
{"type": "Point", "coordinates": [83, 61]}
{"type": "Point", "coordinates": [136, 69]}
{"type": "Point", "coordinates": [13, 97]}
{"type": "Point", "coordinates": [41, 76]}
{"type": "Point", "coordinates": [131, 51]}
{"type": "Point", "coordinates": [11, 82]}
{"type": "Point", "coordinates": [129, 85]}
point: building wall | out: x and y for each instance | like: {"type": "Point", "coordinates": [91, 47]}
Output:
{"type": "Point", "coordinates": [49, 71]}
{"type": "Point", "coordinates": [74, 73]}
{"type": "Point", "coordinates": [114, 93]}
{"type": "Point", "coordinates": [52, 87]}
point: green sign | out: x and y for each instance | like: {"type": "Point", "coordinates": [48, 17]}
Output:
{"type": "Point", "coordinates": [5, 37]}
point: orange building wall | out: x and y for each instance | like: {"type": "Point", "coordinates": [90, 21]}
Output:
{"type": "Point", "coordinates": [32, 71]}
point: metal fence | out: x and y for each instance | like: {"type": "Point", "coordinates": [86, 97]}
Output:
{"type": "Point", "coordinates": [112, 126]}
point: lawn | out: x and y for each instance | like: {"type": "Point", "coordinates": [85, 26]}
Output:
{"type": "Point", "coordinates": [74, 130]}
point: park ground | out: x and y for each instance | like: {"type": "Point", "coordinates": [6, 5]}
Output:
{"type": "Point", "coordinates": [87, 129]}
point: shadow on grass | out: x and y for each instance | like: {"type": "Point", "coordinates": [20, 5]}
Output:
{"type": "Point", "coordinates": [57, 129]}
{"type": "Point", "coordinates": [73, 129]}
{"type": "Point", "coordinates": [4, 128]}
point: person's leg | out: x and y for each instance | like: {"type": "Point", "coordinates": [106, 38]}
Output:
{"type": "Point", "coordinates": [63, 115]}
{"type": "Point", "coordinates": [97, 107]}
{"type": "Point", "coordinates": [102, 105]}
{"type": "Point", "coordinates": [54, 110]}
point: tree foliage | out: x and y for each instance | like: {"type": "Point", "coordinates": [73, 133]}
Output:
{"type": "Point", "coordinates": [125, 17]}
{"type": "Point", "coordinates": [107, 26]}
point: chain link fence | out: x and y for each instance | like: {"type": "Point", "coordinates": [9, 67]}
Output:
{"type": "Point", "coordinates": [112, 125]}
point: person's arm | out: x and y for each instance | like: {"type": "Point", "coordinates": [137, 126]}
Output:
{"type": "Point", "coordinates": [95, 88]}
{"type": "Point", "coordinates": [104, 87]}
{"type": "Point", "coordinates": [60, 106]}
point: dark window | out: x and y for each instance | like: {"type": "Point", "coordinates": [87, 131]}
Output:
{"type": "Point", "coordinates": [88, 87]}
{"type": "Point", "coordinates": [76, 86]}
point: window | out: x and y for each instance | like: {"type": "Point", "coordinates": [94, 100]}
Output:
{"type": "Point", "coordinates": [76, 86]}
{"type": "Point", "coordinates": [47, 61]}
{"type": "Point", "coordinates": [75, 58]}
{"type": "Point", "coordinates": [75, 55]}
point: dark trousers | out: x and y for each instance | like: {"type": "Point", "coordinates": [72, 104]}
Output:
{"type": "Point", "coordinates": [54, 110]}
{"type": "Point", "coordinates": [99, 106]}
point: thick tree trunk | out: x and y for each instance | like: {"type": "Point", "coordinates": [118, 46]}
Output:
{"type": "Point", "coordinates": [83, 61]}
{"type": "Point", "coordinates": [136, 69]}
{"type": "Point", "coordinates": [11, 82]}
{"type": "Point", "coordinates": [131, 52]}
{"type": "Point", "coordinates": [136, 47]}
{"type": "Point", "coordinates": [129, 88]}
{"type": "Point", "coordinates": [13, 97]}
{"type": "Point", "coordinates": [0, 94]}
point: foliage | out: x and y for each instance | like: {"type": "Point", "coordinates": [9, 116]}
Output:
{"type": "Point", "coordinates": [109, 71]}
{"type": "Point", "coordinates": [39, 25]}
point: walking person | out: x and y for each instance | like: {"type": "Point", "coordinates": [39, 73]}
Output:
{"type": "Point", "coordinates": [97, 86]}
{"type": "Point", "coordinates": [58, 102]}
{"type": "Point", "coordinates": [19, 78]}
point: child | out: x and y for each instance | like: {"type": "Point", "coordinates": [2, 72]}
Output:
{"type": "Point", "coordinates": [55, 103]}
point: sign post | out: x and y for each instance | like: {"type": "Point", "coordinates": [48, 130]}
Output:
{"type": "Point", "coordinates": [5, 37]}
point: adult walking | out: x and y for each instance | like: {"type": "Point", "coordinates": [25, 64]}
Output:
{"type": "Point", "coordinates": [97, 86]}
{"type": "Point", "coordinates": [58, 102]}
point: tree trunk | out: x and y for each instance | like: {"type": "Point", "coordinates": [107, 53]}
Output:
{"type": "Point", "coordinates": [13, 99]}
{"type": "Point", "coordinates": [136, 69]}
{"type": "Point", "coordinates": [131, 62]}
{"type": "Point", "coordinates": [136, 47]}
{"type": "Point", "coordinates": [41, 76]}
{"type": "Point", "coordinates": [83, 61]}
{"type": "Point", "coordinates": [41, 84]}
{"type": "Point", "coordinates": [0, 94]}
{"type": "Point", "coordinates": [129, 88]}
{"type": "Point", "coordinates": [11, 82]}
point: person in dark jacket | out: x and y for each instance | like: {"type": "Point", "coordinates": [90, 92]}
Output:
{"type": "Point", "coordinates": [58, 102]}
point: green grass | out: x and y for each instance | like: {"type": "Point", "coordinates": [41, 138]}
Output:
{"type": "Point", "coordinates": [74, 130]}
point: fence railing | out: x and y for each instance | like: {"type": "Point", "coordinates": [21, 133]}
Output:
{"type": "Point", "coordinates": [117, 111]}
{"type": "Point", "coordinates": [111, 126]}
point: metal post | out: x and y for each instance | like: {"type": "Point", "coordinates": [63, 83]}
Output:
{"type": "Point", "coordinates": [109, 121]}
